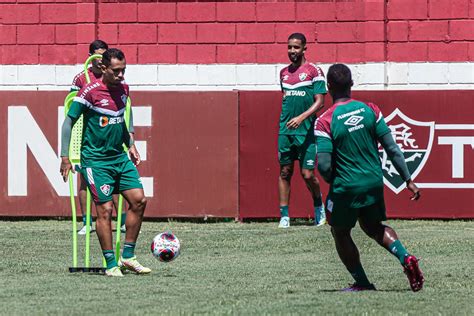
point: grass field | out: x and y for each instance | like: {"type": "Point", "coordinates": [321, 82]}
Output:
{"type": "Point", "coordinates": [233, 268]}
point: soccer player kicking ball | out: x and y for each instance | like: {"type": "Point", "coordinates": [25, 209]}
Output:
{"type": "Point", "coordinates": [303, 86]}
{"type": "Point", "coordinates": [347, 135]}
{"type": "Point", "coordinates": [79, 81]}
{"type": "Point", "coordinates": [104, 164]}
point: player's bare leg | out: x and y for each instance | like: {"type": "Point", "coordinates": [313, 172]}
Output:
{"type": "Point", "coordinates": [103, 224]}
{"type": "Point", "coordinates": [312, 183]}
{"type": "Point", "coordinates": [382, 234]}
{"type": "Point", "coordinates": [284, 189]}
{"type": "Point", "coordinates": [349, 255]}
{"type": "Point", "coordinates": [387, 238]}
{"type": "Point", "coordinates": [137, 204]}
{"type": "Point", "coordinates": [121, 225]}
{"type": "Point", "coordinates": [83, 203]}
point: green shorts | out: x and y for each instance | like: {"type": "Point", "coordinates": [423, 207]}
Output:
{"type": "Point", "coordinates": [297, 147]}
{"type": "Point", "coordinates": [103, 181]}
{"type": "Point", "coordinates": [339, 215]}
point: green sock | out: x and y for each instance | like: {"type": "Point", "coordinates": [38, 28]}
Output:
{"type": "Point", "coordinates": [110, 258]}
{"type": "Point", "coordinates": [397, 249]}
{"type": "Point", "coordinates": [123, 219]}
{"type": "Point", "coordinates": [359, 276]}
{"type": "Point", "coordinates": [84, 220]}
{"type": "Point", "coordinates": [284, 210]}
{"type": "Point", "coordinates": [128, 250]}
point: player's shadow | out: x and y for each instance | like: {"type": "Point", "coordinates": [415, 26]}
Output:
{"type": "Point", "coordinates": [378, 290]}
{"type": "Point", "coordinates": [302, 222]}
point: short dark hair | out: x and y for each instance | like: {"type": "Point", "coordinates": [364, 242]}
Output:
{"type": "Point", "coordinates": [339, 77]}
{"type": "Point", "coordinates": [298, 36]}
{"type": "Point", "coordinates": [97, 44]}
{"type": "Point", "coordinates": [112, 53]}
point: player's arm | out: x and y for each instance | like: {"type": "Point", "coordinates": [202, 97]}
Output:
{"type": "Point", "coordinates": [129, 141]}
{"type": "Point", "coordinates": [314, 108]}
{"type": "Point", "coordinates": [66, 130]}
{"type": "Point", "coordinates": [325, 166]}
{"type": "Point", "coordinates": [324, 149]}
{"type": "Point", "coordinates": [398, 161]}
{"type": "Point", "coordinates": [319, 91]}
{"type": "Point", "coordinates": [324, 146]}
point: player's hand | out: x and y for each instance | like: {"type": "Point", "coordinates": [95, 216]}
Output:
{"type": "Point", "coordinates": [294, 123]}
{"type": "Point", "coordinates": [66, 166]}
{"type": "Point", "coordinates": [134, 155]}
{"type": "Point", "coordinates": [414, 189]}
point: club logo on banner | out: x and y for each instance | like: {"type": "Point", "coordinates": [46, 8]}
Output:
{"type": "Point", "coordinates": [415, 139]}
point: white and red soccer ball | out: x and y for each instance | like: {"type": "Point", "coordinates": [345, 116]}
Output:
{"type": "Point", "coordinates": [165, 247]}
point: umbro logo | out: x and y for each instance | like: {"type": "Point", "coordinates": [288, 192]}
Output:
{"type": "Point", "coordinates": [353, 120]}
{"type": "Point", "coordinates": [104, 102]}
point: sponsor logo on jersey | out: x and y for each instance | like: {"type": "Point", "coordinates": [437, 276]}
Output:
{"type": "Point", "coordinates": [415, 139]}
{"type": "Point", "coordinates": [285, 77]}
{"type": "Point", "coordinates": [104, 102]}
{"type": "Point", "coordinates": [303, 76]}
{"type": "Point", "coordinates": [355, 112]}
{"type": "Point", "coordinates": [295, 93]}
{"type": "Point", "coordinates": [310, 162]}
{"type": "Point", "coordinates": [105, 188]}
{"type": "Point", "coordinates": [354, 121]}
{"type": "Point", "coordinates": [105, 120]}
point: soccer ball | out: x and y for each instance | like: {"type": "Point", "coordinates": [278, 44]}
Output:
{"type": "Point", "coordinates": [165, 247]}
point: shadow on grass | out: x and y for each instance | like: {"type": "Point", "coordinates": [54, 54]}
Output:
{"type": "Point", "coordinates": [385, 290]}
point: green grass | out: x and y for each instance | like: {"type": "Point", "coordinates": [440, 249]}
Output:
{"type": "Point", "coordinates": [232, 268]}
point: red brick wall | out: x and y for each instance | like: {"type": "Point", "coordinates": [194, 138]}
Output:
{"type": "Point", "coordinates": [57, 32]}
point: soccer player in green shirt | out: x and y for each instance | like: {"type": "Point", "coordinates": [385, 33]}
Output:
{"type": "Point", "coordinates": [97, 47]}
{"type": "Point", "coordinates": [347, 137]}
{"type": "Point", "coordinates": [105, 166]}
{"type": "Point", "coordinates": [303, 86]}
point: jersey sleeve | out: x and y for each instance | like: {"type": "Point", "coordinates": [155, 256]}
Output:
{"type": "Point", "coordinates": [319, 80]}
{"type": "Point", "coordinates": [322, 131]}
{"type": "Point", "coordinates": [76, 83]}
{"type": "Point", "coordinates": [80, 104]}
{"type": "Point", "coordinates": [76, 109]}
{"type": "Point", "coordinates": [281, 79]}
{"type": "Point", "coordinates": [381, 127]}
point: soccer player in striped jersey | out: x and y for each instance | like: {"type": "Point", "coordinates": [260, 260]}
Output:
{"type": "Point", "coordinates": [95, 73]}
{"type": "Point", "coordinates": [347, 136]}
{"type": "Point", "coordinates": [79, 81]}
{"type": "Point", "coordinates": [303, 86]}
{"type": "Point", "coordinates": [105, 166]}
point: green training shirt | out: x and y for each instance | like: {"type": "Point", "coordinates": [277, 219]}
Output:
{"type": "Point", "coordinates": [349, 131]}
{"type": "Point", "coordinates": [299, 87]}
{"type": "Point", "coordinates": [104, 130]}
